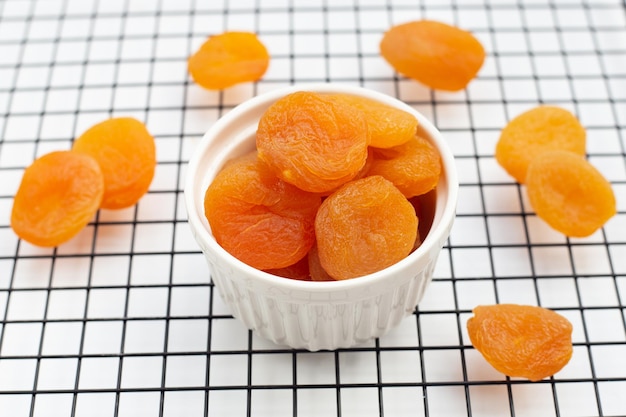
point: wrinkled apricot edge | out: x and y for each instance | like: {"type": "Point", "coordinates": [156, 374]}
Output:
{"type": "Point", "coordinates": [234, 135]}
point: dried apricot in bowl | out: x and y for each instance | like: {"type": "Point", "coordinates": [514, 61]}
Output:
{"type": "Point", "coordinates": [414, 167]}
{"type": "Point", "coordinates": [521, 340]}
{"type": "Point", "coordinates": [126, 153]}
{"type": "Point", "coordinates": [569, 193]}
{"type": "Point", "coordinates": [316, 271]}
{"type": "Point", "coordinates": [535, 131]}
{"type": "Point", "coordinates": [388, 126]}
{"type": "Point", "coordinates": [364, 227]}
{"type": "Point", "coordinates": [312, 141]}
{"type": "Point", "coordinates": [439, 55]}
{"type": "Point", "coordinates": [298, 271]}
{"type": "Point", "coordinates": [227, 59]}
{"type": "Point", "coordinates": [258, 218]}
{"type": "Point", "coordinates": [59, 194]}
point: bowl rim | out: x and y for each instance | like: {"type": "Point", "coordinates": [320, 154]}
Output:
{"type": "Point", "coordinates": [201, 229]}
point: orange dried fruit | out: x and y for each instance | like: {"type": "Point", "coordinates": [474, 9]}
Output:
{"type": "Point", "coordinates": [364, 227]}
{"type": "Point", "coordinates": [363, 172]}
{"type": "Point", "coordinates": [425, 206]}
{"type": "Point", "coordinates": [413, 167]}
{"type": "Point", "coordinates": [388, 125]}
{"type": "Point", "coordinates": [312, 141]}
{"type": "Point", "coordinates": [59, 194]}
{"type": "Point", "coordinates": [258, 218]}
{"type": "Point", "coordinates": [521, 340]}
{"type": "Point", "coordinates": [298, 271]}
{"type": "Point", "coordinates": [227, 59]}
{"type": "Point", "coordinates": [417, 206]}
{"type": "Point", "coordinates": [439, 55]}
{"type": "Point", "coordinates": [541, 129]}
{"type": "Point", "coordinates": [316, 270]}
{"type": "Point", "coordinates": [569, 193]}
{"type": "Point", "coordinates": [126, 153]}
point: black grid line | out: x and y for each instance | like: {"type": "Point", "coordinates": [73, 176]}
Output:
{"type": "Point", "coordinates": [128, 309]}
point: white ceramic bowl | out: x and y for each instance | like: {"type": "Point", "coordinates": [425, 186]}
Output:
{"type": "Point", "coordinates": [303, 314]}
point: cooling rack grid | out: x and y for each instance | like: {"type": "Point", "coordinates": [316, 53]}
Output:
{"type": "Point", "coordinates": [124, 320]}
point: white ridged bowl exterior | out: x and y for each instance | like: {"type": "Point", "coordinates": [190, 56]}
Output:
{"type": "Point", "coordinates": [303, 314]}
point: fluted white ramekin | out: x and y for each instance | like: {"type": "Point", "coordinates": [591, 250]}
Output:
{"type": "Point", "coordinates": [303, 314]}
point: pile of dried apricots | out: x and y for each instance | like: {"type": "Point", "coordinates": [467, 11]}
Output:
{"type": "Point", "coordinates": [334, 179]}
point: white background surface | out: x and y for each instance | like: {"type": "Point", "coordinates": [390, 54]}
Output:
{"type": "Point", "coordinates": [124, 321]}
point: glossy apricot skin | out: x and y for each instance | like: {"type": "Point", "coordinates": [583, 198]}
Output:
{"type": "Point", "coordinates": [413, 167]}
{"type": "Point", "coordinates": [438, 55]}
{"type": "Point", "coordinates": [364, 227]}
{"type": "Point", "coordinates": [312, 141]}
{"type": "Point", "coordinates": [521, 340]}
{"type": "Point", "coordinates": [258, 218]}
{"type": "Point", "coordinates": [569, 193]}
{"type": "Point", "coordinates": [126, 153]}
{"type": "Point", "coordinates": [227, 59]}
{"type": "Point", "coordinates": [59, 194]}
{"type": "Point", "coordinates": [538, 130]}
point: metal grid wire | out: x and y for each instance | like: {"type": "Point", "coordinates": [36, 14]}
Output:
{"type": "Point", "coordinates": [123, 320]}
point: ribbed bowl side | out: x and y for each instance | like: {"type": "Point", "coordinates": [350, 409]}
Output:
{"type": "Point", "coordinates": [324, 325]}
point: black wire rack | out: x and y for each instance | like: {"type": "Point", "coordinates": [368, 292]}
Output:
{"type": "Point", "coordinates": [124, 320]}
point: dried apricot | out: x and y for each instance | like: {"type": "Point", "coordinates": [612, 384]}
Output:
{"type": "Point", "coordinates": [316, 271]}
{"type": "Point", "coordinates": [363, 172]}
{"type": "Point", "coordinates": [258, 218]}
{"type": "Point", "coordinates": [436, 54]}
{"type": "Point", "coordinates": [425, 206]}
{"type": "Point", "coordinates": [365, 226]}
{"type": "Point", "coordinates": [59, 194]}
{"type": "Point", "coordinates": [388, 126]}
{"type": "Point", "coordinates": [298, 271]}
{"type": "Point", "coordinates": [126, 153]}
{"type": "Point", "coordinates": [227, 59]}
{"type": "Point", "coordinates": [569, 193]}
{"type": "Point", "coordinates": [521, 340]}
{"type": "Point", "coordinates": [413, 167]}
{"type": "Point", "coordinates": [535, 131]}
{"type": "Point", "coordinates": [312, 141]}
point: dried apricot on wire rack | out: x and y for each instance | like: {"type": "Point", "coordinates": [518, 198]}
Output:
{"type": "Point", "coordinates": [365, 226]}
{"type": "Point", "coordinates": [227, 59]}
{"type": "Point", "coordinates": [312, 141]}
{"type": "Point", "coordinates": [521, 340]}
{"type": "Point", "coordinates": [258, 218]}
{"type": "Point", "coordinates": [388, 126]}
{"type": "Point", "coordinates": [569, 193]}
{"type": "Point", "coordinates": [413, 167]}
{"type": "Point", "coordinates": [441, 56]}
{"type": "Point", "coordinates": [538, 130]}
{"type": "Point", "coordinates": [126, 153]}
{"type": "Point", "coordinates": [59, 194]}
